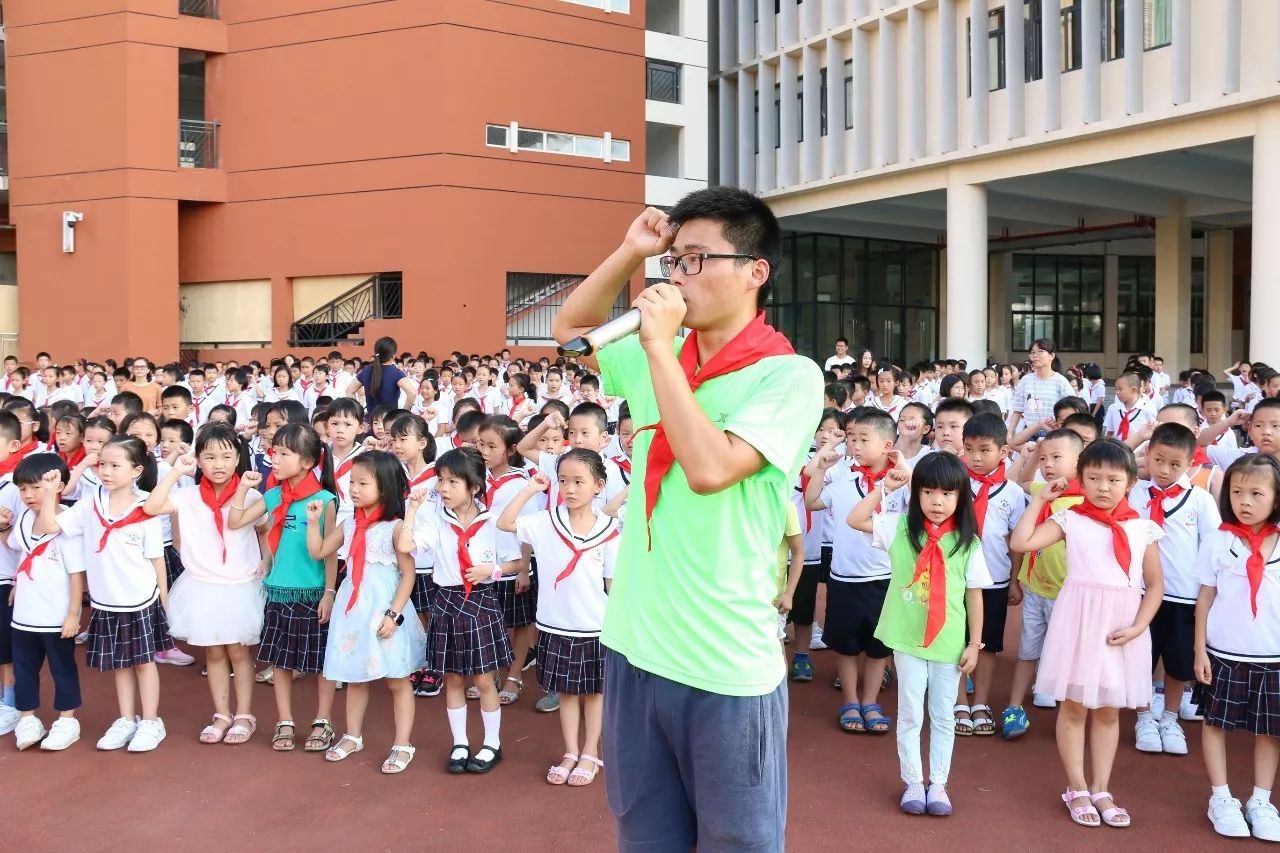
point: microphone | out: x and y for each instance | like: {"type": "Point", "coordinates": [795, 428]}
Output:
{"type": "Point", "coordinates": [603, 335]}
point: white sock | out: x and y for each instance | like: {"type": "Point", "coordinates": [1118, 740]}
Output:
{"type": "Point", "coordinates": [458, 724]}
{"type": "Point", "coordinates": [1260, 795]}
{"type": "Point", "coordinates": [1223, 791]}
{"type": "Point", "coordinates": [492, 722]}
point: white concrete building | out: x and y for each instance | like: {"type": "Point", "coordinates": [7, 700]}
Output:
{"type": "Point", "coordinates": [1108, 175]}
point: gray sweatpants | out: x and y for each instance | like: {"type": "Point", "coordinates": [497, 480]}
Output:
{"type": "Point", "coordinates": [688, 768]}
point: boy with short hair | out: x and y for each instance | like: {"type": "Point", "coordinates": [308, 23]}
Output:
{"type": "Point", "coordinates": [11, 436]}
{"type": "Point", "coordinates": [1128, 413]}
{"type": "Point", "coordinates": [203, 398]}
{"type": "Point", "coordinates": [122, 405]}
{"type": "Point", "coordinates": [948, 424]}
{"type": "Point", "coordinates": [175, 403]}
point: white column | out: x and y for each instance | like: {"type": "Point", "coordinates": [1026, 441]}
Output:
{"type": "Point", "coordinates": [834, 162]}
{"type": "Point", "coordinates": [789, 129]}
{"type": "Point", "coordinates": [861, 99]}
{"type": "Point", "coordinates": [1218, 287]}
{"type": "Point", "coordinates": [1015, 75]}
{"type": "Point", "coordinates": [979, 83]}
{"type": "Point", "coordinates": [811, 150]}
{"type": "Point", "coordinates": [1091, 59]}
{"type": "Point", "coordinates": [747, 131]}
{"type": "Point", "coordinates": [1264, 299]}
{"type": "Point", "coordinates": [788, 24]}
{"type": "Point", "coordinates": [967, 304]}
{"type": "Point", "coordinates": [948, 77]}
{"type": "Point", "coordinates": [1051, 64]}
{"type": "Point", "coordinates": [746, 30]}
{"type": "Point", "coordinates": [887, 89]}
{"type": "Point", "coordinates": [833, 14]}
{"type": "Point", "coordinates": [1181, 47]}
{"type": "Point", "coordinates": [1231, 46]}
{"type": "Point", "coordinates": [1173, 288]}
{"type": "Point", "coordinates": [917, 133]}
{"type": "Point", "coordinates": [727, 35]}
{"type": "Point", "coordinates": [766, 160]}
{"type": "Point", "coordinates": [727, 138]}
{"type": "Point", "coordinates": [766, 27]}
{"type": "Point", "coordinates": [1134, 57]}
{"type": "Point", "coordinates": [810, 18]}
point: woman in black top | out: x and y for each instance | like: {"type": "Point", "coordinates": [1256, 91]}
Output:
{"type": "Point", "coordinates": [382, 380]}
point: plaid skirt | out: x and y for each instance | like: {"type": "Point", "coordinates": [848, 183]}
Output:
{"type": "Point", "coordinates": [125, 640]}
{"type": "Point", "coordinates": [172, 564]}
{"type": "Point", "coordinates": [292, 637]}
{"type": "Point", "coordinates": [518, 608]}
{"type": "Point", "coordinates": [1244, 696]}
{"type": "Point", "coordinates": [424, 589]}
{"type": "Point", "coordinates": [466, 635]}
{"type": "Point", "coordinates": [573, 665]}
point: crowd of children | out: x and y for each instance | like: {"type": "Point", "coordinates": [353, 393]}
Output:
{"type": "Point", "coordinates": [262, 514]}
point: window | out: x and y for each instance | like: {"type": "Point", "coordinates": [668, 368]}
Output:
{"type": "Point", "coordinates": [1112, 30]}
{"type": "Point", "coordinates": [552, 142]}
{"type": "Point", "coordinates": [1197, 305]}
{"type": "Point", "coordinates": [777, 115]}
{"type": "Point", "coordinates": [607, 5]}
{"type": "Point", "coordinates": [533, 299]}
{"type": "Point", "coordinates": [1033, 59]}
{"type": "Point", "coordinates": [756, 124]}
{"type": "Point", "coordinates": [995, 52]}
{"type": "Point", "coordinates": [800, 108]}
{"type": "Point", "coordinates": [1069, 35]}
{"type": "Point", "coordinates": [1136, 304]}
{"type": "Point", "coordinates": [848, 94]}
{"type": "Point", "coordinates": [822, 103]}
{"type": "Point", "coordinates": [1157, 26]}
{"type": "Point", "coordinates": [1059, 297]}
{"type": "Point", "coordinates": [662, 81]}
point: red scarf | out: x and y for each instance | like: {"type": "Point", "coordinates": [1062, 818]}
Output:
{"type": "Point", "coordinates": [1072, 490]}
{"type": "Point", "coordinates": [134, 516]}
{"type": "Point", "coordinates": [456, 439]}
{"type": "Point", "coordinates": [1257, 561]}
{"type": "Point", "coordinates": [24, 568]}
{"type": "Point", "coordinates": [9, 465]}
{"type": "Point", "coordinates": [932, 566]}
{"type": "Point", "coordinates": [808, 513]}
{"type": "Point", "coordinates": [427, 474]}
{"type": "Point", "coordinates": [870, 478]}
{"type": "Point", "coordinates": [289, 494]}
{"type": "Point", "coordinates": [1201, 458]}
{"type": "Point", "coordinates": [1126, 419]}
{"type": "Point", "coordinates": [1155, 506]}
{"type": "Point", "coordinates": [343, 470]}
{"type": "Point", "coordinates": [355, 555]}
{"type": "Point", "coordinates": [757, 340]}
{"type": "Point", "coordinates": [464, 556]}
{"type": "Point", "coordinates": [215, 505]}
{"type": "Point", "coordinates": [1112, 519]}
{"type": "Point", "coordinates": [577, 552]}
{"type": "Point", "coordinates": [623, 463]}
{"type": "Point", "coordinates": [494, 483]}
{"type": "Point", "coordinates": [995, 478]}
{"type": "Point", "coordinates": [517, 402]}
{"type": "Point", "coordinates": [74, 458]}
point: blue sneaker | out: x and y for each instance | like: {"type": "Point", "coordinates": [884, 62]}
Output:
{"type": "Point", "coordinates": [1014, 722]}
{"type": "Point", "coordinates": [801, 668]}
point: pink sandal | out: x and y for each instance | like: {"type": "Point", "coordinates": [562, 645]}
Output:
{"type": "Point", "coordinates": [559, 775]}
{"type": "Point", "coordinates": [1078, 813]}
{"type": "Point", "coordinates": [213, 734]}
{"type": "Point", "coordinates": [580, 778]}
{"type": "Point", "coordinates": [239, 732]}
{"type": "Point", "coordinates": [1114, 816]}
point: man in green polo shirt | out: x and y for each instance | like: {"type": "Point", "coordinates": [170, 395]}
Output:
{"type": "Point", "coordinates": [695, 697]}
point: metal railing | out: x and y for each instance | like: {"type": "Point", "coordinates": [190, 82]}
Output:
{"type": "Point", "coordinates": [662, 82]}
{"type": "Point", "coordinates": [198, 8]}
{"type": "Point", "coordinates": [533, 300]}
{"type": "Point", "coordinates": [379, 297]}
{"type": "Point", "coordinates": [197, 144]}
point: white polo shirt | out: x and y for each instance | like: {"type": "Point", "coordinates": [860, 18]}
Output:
{"type": "Point", "coordinates": [436, 534]}
{"type": "Point", "coordinates": [614, 482]}
{"type": "Point", "coordinates": [853, 560]}
{"type": "Point", "coordinates": [121, 577]}
{"type": "Point", "coordinates": [41, 600]}
{"type": "Point", "coordinates": [1138, 416]}
{"type": "Point", "coordinates": [1233, 632]}
{"type": "Point", "coordinates": [1005, 505]}
{"type": "Point", "coordinates": [574, 607]}
{"type": "Point", "coordinates": [1189, 519]}
{"type": "Point", "coordinates": [11, 500]}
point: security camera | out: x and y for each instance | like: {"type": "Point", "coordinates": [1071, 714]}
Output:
{"type": "Point", "coordinates": [71, 217]}
{"type": "Point", "coordinates": [69, 220]}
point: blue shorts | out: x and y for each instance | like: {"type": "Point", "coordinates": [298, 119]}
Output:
{"type": "Point", "coordinates": [692, 769]}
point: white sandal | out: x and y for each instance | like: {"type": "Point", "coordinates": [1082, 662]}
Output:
{"type": "Point", "coordinates": [580, 777]}
{"type": "Point", "coordinates": [337, 753]}
{"type": "Point", "coordinates": [398, 763]}
{"type": "Point", "coordinates": [1114, 816]}
{"type": "Point", "coordinates": [964, 728]}
{"type": "Point", "coordinates": [558, 775]}
{"type": "Point", "coordinates": [509, 697]}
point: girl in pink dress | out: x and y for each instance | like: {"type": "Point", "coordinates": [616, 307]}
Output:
{"type": "Point", "coordinates": [1097, 652]}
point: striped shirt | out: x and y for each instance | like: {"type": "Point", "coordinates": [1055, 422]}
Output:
{"type": "Point", "coordinates": [1034, 397]}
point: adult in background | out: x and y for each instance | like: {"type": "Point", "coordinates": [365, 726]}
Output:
{"type": "Point", "coordinates": [866, 364]}
{"type": "Point", "coordinates": [1039, 389]}
{"type": "Point", "coordinates": [382, 380]}
{"type": "Point", "coordinates": [842, 355]}
{"type": "Point", "coordinates": [695, 698]}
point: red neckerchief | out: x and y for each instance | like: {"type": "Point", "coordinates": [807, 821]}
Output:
{"type": "Point", "coordinates": [1127, 418]}
{"type": "Point", "coordinates": [757, 340]}
{"type": "Point", "coordinates": [1200, 458]}
{"type": "Point", "coordinates": [995, 478]}
{"type": "Point", "coordinates": [24, 568]}
{"type": "Point", "coordinates": [464, 556]}
{"type": "Point", "coordinates": [232, 400]}
{"type": "Point", "coordinates": [9, 465]}
{"type": "Point", "coordinates": [289, 495]}
{"type": "Point", "coordinates": [456, 439]}
{"type": "Point", "coordinates": [517, 402]}
{"type": "Point", "coordinates": [427, 474]}
{"type": "Point", "coordinates": [74, 458]}
{"type": "Point", "coordinates": [1073, 490]}
{"type": "Point", "coordinates": [1112, 519]}
{"type": "Point", "coordinates": [195, 404]}
{"type": "Point", "coordinates": [134, 516]}
{"type": "Point", "coordinates": [493, 483]}
{"type": "Point", "coordinates": [306, 384]}
{"type": "Point", "coordinates": [1155, 506]}
{"type": "Point", "coordinates": [1257, 561]}
{"type": "Point", "coordinates": [577, 552]}
{"type": "Point", "coordinates": [215, 505]}
{"type": "Point", "coordinates": [932, 566]}
{"type": "Point", "coordinates": [808, 513]}
{"type": "Point", "coordinates": [342, 471]}
{"type": "Point", "coordinates": [870, 478]}
{"type": "Point", "coordinates": [355, 554]}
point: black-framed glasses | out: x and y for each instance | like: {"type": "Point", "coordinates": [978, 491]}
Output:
{"type": "Point", "coordinates": [691, 263]}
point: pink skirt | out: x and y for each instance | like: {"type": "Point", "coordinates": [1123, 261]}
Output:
{"type": "Point", "coordinates": [1077, 663]}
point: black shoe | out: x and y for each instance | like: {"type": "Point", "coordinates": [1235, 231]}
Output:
{"type": "Point", "coordinates": [479, 765]}
{"type": "Point", "coordinates": [430, 684]}
{"type": "Point", "coordinates": [459, 765]}
{"type": "Point", "coordinates": [529, 660]}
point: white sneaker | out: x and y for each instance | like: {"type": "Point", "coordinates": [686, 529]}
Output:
{"type": "Point", "coordinates": [1043, 700]}
{"type": "Point", "coordinates": [150, 733]}
{"type": "Point", "coordinates": [1188, 710]}
{"type": "Point", "coordinates": [1157, 702]}
{"type": "Point", "coordinates": [119, 735]}
{"type": "Point", "coordinates": [175, 657]}
{"type": "Point", "coordinates": [9, 718]}
{"type": "Point", "coordinates": [1227, 817]}
{"type": "Point", "coordinates": [64, 732]}
{"type": "Point", "coordinates": [1172, 739]}
{"type": "Point", "coordinates": [1147, 734]}
{"type": "Point", "coordinates": [815, 639]}
{"type": "Point", "coordinates": [1264, 820]}
{"type": "Point", "coordinates": [29, 731]}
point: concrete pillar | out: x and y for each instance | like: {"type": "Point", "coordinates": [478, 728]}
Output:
{"type": "Point", "coordinates": [979, 82]}
{"type": "Point", "coordinates": [1218, 270]}
{"type": "Point", "coordinates": [1091, 59]}
{"type": "Point", "coordinates": [887, 90]}
{"type": "Point", "coordinates": [727, 125]}
{"type": "Point", "coordinates": [766, 160]}
{"type": "Point", "coordinates": [788, 23]}
{"type": "Point", "coordinates": [789, 129]}
{"type": "Point", "coordinates": [862, 83]}
{"type": "Point", "coordinates": [834, 162]}
{"type": "Point", "coordinates": [811, 149]}
{"type": "Point", "coordinates": [967, 304]}
{"type": "Point", "coordinates": [1264, 291]}
{"type": "Point", "coordinates": [1051, 64]}
{"type": "Point", "coordinates": [1015, 75]}
{"type": "Point", "coordinates": [917, 123]}
{"type": "Point", "coordinates": [748, 133]}
{"type": "Point", "coordinates": [726, 34]}
{"type": "Point", "coordinates": [1173, 288]}
{"type": "Point", "coordinates": [999, 274]}
{"type": "Point", "coordinates": [948, 77]}
{"type": "Point", "coordinates": [1134, 57]}
{"type": "Point", "coordinates": [766, 28]}
{"type": "Point", "coordinates": [747, 10]}
{"type": "Point", "coordinates": [1181, 47]}
{"type": "Point", "coordinates": [1230, 47]}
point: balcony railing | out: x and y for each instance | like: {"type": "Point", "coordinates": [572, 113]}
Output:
{"type": "Point", "coordinates": [197, 144]}
{"type": "Point", "coordinates": [663, 82]}
{"type": "Point", "coordinates": [198, 8]}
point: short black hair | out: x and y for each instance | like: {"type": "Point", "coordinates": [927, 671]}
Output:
{"type": "Point", "coordinates": [177, 392]}
{"type": "Point", "coordinates": [986, 407]}
{"type": "Point", "coordinates": [10, 426]}
{"type": "Point", "coordinates": [185, 432]}
{"type": "Point", "coordinates": [129, 401]}
{"type": "Point", "coordinates": [1108, 453]}
{"type": "Point", "coordinates": [953, 404]}
{"type": "Point", "coordinates": [1212, 395]}
{"type": "Point", "coordinates": [1069, 434]}
{"type": "Point", "coordinates": [594, 411]}
{"type": "Point", "coordinates": [1072, 402]}
{"type": "Point", "coordinates": [31, 470]}
{"type": "Point", "coordinates": [746, 221]}
{"type": "Point", "coordinates": [469, 420]}
{"type": "Point", "coordinates": [1175, 436]}
{"type": "Point", "coordinates": [1082, 420]}
{"type": "Point", "coordinates": [837, 392]}
{"type": "Point", "coordinates": [1249, 465]}
{"type": "Point", "coordinates": [880, 421]}
{"type": "Point", "coordinates": [987, 426]}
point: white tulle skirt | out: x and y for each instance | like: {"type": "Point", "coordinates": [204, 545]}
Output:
{"type": "Point", "coordinates": [215, 614]}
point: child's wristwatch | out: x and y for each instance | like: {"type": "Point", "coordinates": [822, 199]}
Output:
{"type": "Point", "coordinates": [395, 617]}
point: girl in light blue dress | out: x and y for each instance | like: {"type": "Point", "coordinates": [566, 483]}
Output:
{"type": "Point", "coordinates": [370, 637]}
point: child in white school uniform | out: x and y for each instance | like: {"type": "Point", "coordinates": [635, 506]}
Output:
{"type": "Point", "coordinates": [586, 428]}
{"type": "Point", "coordinates": [886, 398]}
{"type": "Point", "coordinates": [1130, 411]}
{"type": "Point", "coordinates": [343, 426]}
{"type": "Point", "coordinates": [11, 430]}
{"type": "Point", "coordinates": [128, 587]}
